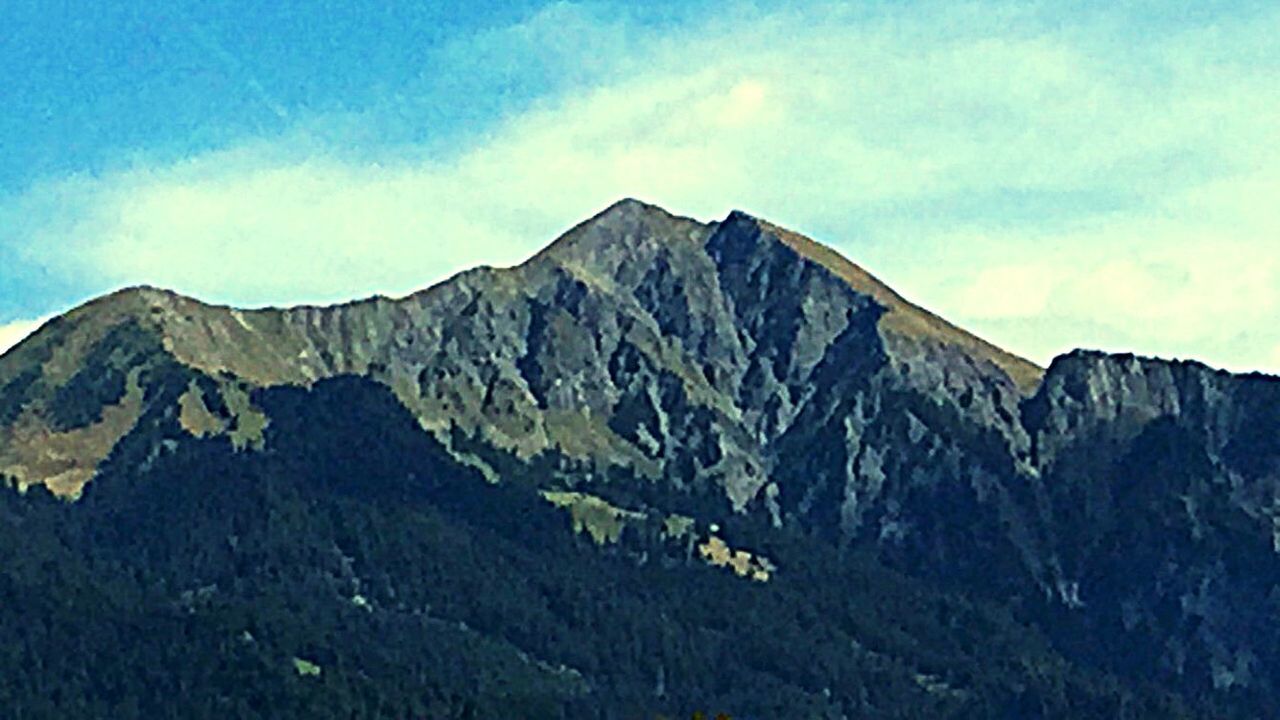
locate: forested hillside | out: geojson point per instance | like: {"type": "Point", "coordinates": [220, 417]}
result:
{"type": "Point", "coordinates": [355, 570]}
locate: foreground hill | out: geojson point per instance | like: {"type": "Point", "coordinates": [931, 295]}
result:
{"type": "Point", "coordinates": [660, 465]}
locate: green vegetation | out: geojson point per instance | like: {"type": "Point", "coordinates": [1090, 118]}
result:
{"type": "Point", "coordinates": [677, 526]}
{"type": "Point", "coordinates": [249, 420]}
{"type": "Point", "coordinates": [602, 521]}
{"type": "Point", "coordinates": [306, 668]}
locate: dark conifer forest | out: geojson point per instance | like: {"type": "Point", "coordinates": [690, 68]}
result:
{"type": "Point", "coordinates": [354, 570]}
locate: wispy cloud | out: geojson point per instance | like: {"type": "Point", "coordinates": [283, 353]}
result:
{"type": "Point", "coordinates": [234, 67]}
{"type": "Point", "coordinates": [1051, 182]}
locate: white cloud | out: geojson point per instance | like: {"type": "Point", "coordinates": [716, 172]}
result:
{"type": "Point", "coordinates": [15, 332]}
{"type": "Point", "coordinates": [1190, 279]}
{"type": "Point", "coordinates": [994, 170]}
{"type": "Point", "coordinates": [1006, 291]}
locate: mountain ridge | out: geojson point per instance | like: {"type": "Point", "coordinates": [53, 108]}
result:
{"type": "Point", "coordinates": [302, 344]}
{"type": "Point", "coordinates": [1027, 373]}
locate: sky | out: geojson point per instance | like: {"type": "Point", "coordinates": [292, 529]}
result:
{"type": "Point", "coordinates": [1049, 175]}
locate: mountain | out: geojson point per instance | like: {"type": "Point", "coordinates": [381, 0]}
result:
{"type": "Point", "coordinates": [736, 319]}
{"type": "Point", "coordinates": [661, 465]}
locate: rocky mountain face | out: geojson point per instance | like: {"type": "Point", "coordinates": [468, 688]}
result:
{"type": "Point", "coordinates": [1162, 483]}
{"type": "Point", "coordinates": [638, 340]}
{"type": "Point", "coordinates": [647, 364]}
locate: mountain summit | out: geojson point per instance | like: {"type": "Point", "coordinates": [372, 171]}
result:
{"type": "Point", "coordinates": [660, 462]}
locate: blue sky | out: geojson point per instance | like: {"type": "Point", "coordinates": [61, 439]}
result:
{"type": "Point", "coordinates": [1051, 175]}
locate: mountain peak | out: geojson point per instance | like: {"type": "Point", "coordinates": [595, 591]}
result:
{"type": "Point", "coordinates": [617, 229]}
{"type": "Point", "coordinates": [739, 216]}
{"type": "Point", "coordinates": [630, 209]}
{"type": "Point", "coordinates": [627, 210]}
{"type": "Point", "coordinates": [630, 204]}
{"type": "Point", "coordinates": [135, 298]}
